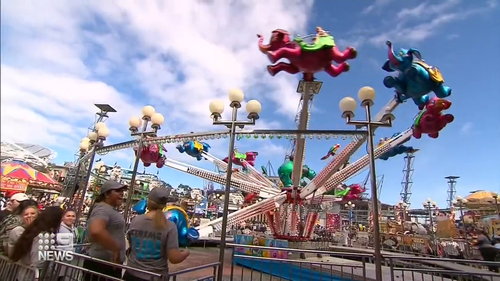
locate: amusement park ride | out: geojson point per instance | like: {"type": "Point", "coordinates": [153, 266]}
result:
{"type": "Point", "coordinates": [291, 208]}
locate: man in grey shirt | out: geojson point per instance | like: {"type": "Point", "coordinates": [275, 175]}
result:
{"type": "Point", "coordinates": [153, 241]}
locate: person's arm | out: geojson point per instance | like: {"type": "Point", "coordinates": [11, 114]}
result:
{"type": "Point", "coordinates": [173, 253]}
{"type": "Point", "coordinates": [98, 233]}
{"type": "Point", "coordinates": [4, 236]}
{"type": "Point", "coordinates": [13, 237]}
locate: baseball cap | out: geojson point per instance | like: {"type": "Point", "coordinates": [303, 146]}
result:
{"type": "Point", "coordinates": [159, 195]}
{"type": "Point", "coordinates": [19, 197]}
{"type": "Point", "coordinates": [111, 185]}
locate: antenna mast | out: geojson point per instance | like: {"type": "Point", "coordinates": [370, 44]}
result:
{"type": "Point", "coordinates": [407, 181]}
{"type": "Point", "coordinates": [452, 181]}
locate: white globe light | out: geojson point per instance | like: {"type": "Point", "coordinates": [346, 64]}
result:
{"type": "Point", "coordinates": [99, 125]}
{"type": "Point", "coordinates": [103, 132]}
{"type": "Point", "coordinates": [494, 194]}
{"type": "Point", "coordinates": [347, 104]}
{"type": "Point", "coordinates": [135, 122]}
{"type": "Point", "coordinates": [84, 146]}
{"type": "Point", "coordinates": [93, 136]}
{"type": "Point", "coordinates": [366, 93]}
{"type": "Point", "coordinates": [85, 140]}
{"type": "Point", "coordinates": [148, 111]}
{"type": "Point", "coordinates": [465, 201]}
{"type": "Point", "coordinates": [459, 198]}
{"type": "Point", "coordinates": [236, 95]}
{"type": "Point", "coordinates": [253, 106]}
{"type": "Point", "coordinates": [455, 202]}
{"type": "Point", "coordinates": [157, 119]}
{"type": "Point", "coordinates": [216, 106]}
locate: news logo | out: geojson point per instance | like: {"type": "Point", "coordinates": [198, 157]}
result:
{"type": "Point", "coordinates": [52, 247]}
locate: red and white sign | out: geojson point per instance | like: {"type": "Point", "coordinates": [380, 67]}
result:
{"type": "Point", "coordinates": [9, 185]}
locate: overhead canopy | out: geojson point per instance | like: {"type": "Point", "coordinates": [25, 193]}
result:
{"type": "Point", "coordinates": [17, 175]}
{"type": "Point", "coordinates": [480, 197]}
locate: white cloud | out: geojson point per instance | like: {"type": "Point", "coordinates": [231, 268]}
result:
{"type": "Point", "coordinates": [466, 128]}
{"type": "Point", "coordinates": [375, 6]}
{"type": "Point", "coordinates": [425, 10]}
{"type": "Point", "coordinates": [175, 55]}
{"type": "Point", "coordinates": [272, 149]}
{"type": "Point", "coordinates": [416, 24]}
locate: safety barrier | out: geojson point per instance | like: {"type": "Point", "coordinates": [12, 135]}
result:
{"type": "Point", "coordinates": [16, 271]}
{"type": "Point", "coordinates": [338, 266]}
{"type": "Point", "coordinates": [74, 271]}
{"type": "Point", "coordinates": [414, 244]}
{"type": "Point", "coordinates": [315, 265]}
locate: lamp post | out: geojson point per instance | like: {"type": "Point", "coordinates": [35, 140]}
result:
{"type": "Point", "coordinates": [95, 140]}
{"type": "Point", "coordinates": [350, 207]}
{"type": "Point", "coordinates": [431, 206]}
{"type": "Point", "coordinates": [83, 148]}
{"type": "Point", "coordinates": [402, 208]}
{"type": "Point", "coordinates": [139, 128]}
{"type": "Point", "coordinates": [461, 203]}
{"type": "Point", "coordinates": [253, 108]}
{"type": "Point", "coordinates": [348, 105]}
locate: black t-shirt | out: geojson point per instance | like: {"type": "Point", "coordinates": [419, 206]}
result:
{"type": "Point", "coordinates": [4, 214]}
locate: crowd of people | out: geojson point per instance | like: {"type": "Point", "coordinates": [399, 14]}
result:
{"type": "Point", "coordinates": [23, 220]}
{"type": "Point", "coordinates": [145, 246]}
{"type": "Point", "coordinates": [152, 239]}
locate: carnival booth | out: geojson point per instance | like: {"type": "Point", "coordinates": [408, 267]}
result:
{"type": "Point", "coordinates": [484, 209]}
{"type": "Point", "coordinates": [17, 176]}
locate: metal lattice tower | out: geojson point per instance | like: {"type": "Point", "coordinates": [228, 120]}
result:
{"type": "Point", "coordinates": [407, 181]}
{"type": "Point", "coordinates": [70, 183]}
{"type": "Point", "coordinates": [452, 181]}
{"type": "Point", "coordinates": [291, 150]}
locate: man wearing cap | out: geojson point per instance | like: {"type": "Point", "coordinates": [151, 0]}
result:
{"type": "Point", "coordinates": [106, 228]}
{"type": "Point", "coordinates": [153, 240]}
{"type": "Point", "coordinates": [13, 220]}
{"type": "Point", "coordinates": [12, 204]}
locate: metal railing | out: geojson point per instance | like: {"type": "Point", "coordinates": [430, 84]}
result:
{"type": "Point", "coordinates": [339, 266]}
{"type": "Point", "coordinates": [416, 245]}
{"type": "Point", "coordinates": [75, 271]}
{"type": "Point", "coordinates": [250, 263]}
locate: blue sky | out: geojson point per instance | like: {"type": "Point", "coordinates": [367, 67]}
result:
{"type": "Point", "coordinates": [179, 56]}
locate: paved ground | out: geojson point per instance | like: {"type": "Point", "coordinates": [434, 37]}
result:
{"type": "Point", "coordinates": [200, 256]}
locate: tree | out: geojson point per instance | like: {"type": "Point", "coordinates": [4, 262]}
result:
{"type": "Point", "coordinates": [185, 190]}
